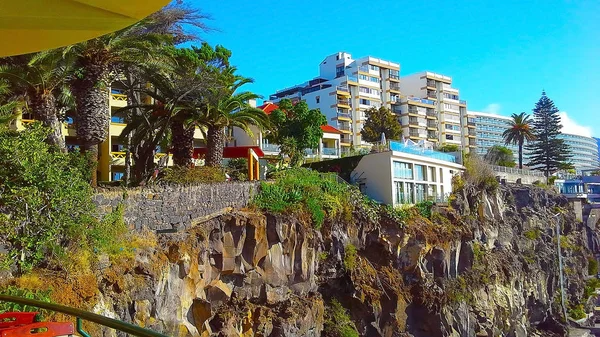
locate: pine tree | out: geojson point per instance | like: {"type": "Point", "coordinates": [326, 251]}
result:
{"type": "Point", "coordinates": [547, 151]}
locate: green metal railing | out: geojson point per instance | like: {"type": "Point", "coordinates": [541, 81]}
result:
{"type": "Point", "coordinates": [88, 316]}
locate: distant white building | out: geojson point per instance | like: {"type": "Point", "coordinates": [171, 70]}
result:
{"type": "Point", "coordinates": [407, 174]}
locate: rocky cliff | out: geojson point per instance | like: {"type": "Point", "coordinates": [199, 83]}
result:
{"type": "Point", "coordinates": [485, 265]}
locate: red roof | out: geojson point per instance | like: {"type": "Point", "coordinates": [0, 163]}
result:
{"type": "Point", "coordinates": [330, 129]}
{"type": "Point", "coordinates": [268, 107]}
{"type": "Point", "coordinates": [232, 151]}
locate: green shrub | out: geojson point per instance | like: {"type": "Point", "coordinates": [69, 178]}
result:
{"type": "Point", "coordinates": [194, 175]}
{"type": "Point", "coordinates": [300, 189]}
{"type": "Point", "coordinates": [533, 234]}
{"type": "Point", "coordinates": [38, 295]}
{"type": "Point", "coordinates": [323, 256]}
{"type": "Point", "coordinates": [398, 214]}
{"type": "Point", "coordinates": [338, 321]}
{"type": "Point", "coordinates": [45, 198]}
{"type": "Point", "coordinates": [478, 251]}
{"type": "Point", "coordinates": [350, 257]}
{"type": "Point", "coordinates": [592, 266]}
{"type": "Point", "coordinates": [109, 234]}
{"type": "Point", "coordinates": [424, 208]}
{"type": "Point", "coordinates": [577, 312]}
{"type": "Point", "coordinates": [237, 169]}
{"type": "Point", "coordinates": [480, 174]}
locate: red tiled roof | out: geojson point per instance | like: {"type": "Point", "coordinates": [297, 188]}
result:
{"type": "Point", "coordinates": [268, 107]}
{"type": "Point", "coordinates": [330, 129]}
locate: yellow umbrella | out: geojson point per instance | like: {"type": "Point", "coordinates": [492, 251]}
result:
{"type": "Point", "coordinates": [28, 26]}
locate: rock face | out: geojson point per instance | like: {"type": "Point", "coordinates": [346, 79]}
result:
{"type": "Point", "coordinates": [485, 266]}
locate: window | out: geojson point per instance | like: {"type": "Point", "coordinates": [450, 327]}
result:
{"type": "Point", "coordinates": [421, 192]}
{"type": "Point", "coordinates": [420, 172]}
{"type": "Point", "coordinates": [363, 77]}
{"type": "Point", "coordinates": [368, 90]}
{"type": "Point", "coordinates": [372, 67]}
{"type": "Point", "coordinates": [339, 70]}
{"type": "Point", "coordinates": [318, 99]}
{"type": "Point", "coordinates": [432, 174]}
{"type": "Point", "coordinates": [365, 101]}
{"type": "Point", "coordinates": [374, 79]}
{"type": "Point", "coordinates": [449, 137]}
{"type": "Point", "coordinates": [403, 170]}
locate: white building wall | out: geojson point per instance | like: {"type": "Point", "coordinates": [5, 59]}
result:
{"type": "Point", "coordinates": [376, 172]}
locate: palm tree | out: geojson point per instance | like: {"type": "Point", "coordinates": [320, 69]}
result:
{"type": "Point", "coordinates": [41, 83]}
{"type": "Point", "coordinates": [229, 109]}
{"type": "Point", "coordinates": [8, 107]}
{"type": "Point", "coordinates": [96, 63]}
{"type": "Point", "coordinates": [518, 132]}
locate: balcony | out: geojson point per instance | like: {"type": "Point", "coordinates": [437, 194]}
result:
{"type": "Point", "coordinates": [343, 90]}
{"type": "Point", "coordinates": [342, 115]}
{"type": "Point", "coordinates": [472, 142]}
{"type": "Point", "coordinates": [431, 113]}
{"type": "Point", "coordinates": [364, 69]}
{"type": "Point", "coordinates": [344, 103]}
{"type": "Point", "coordinates": [471, 132]}
{"type": "Point", "coordinates": [432, 135]}
{"type": "Point", "coordinates": [345, 127]}
{"type": "Point", "coordinates": [270, 148]}
{"type": "Point", "coordinates": [433, 125]}
{"type": "Point", "coordinates": [431, 83]}
{"type": "Point", "coordinates": [396, 110]}
{"type": "Point", "coordinates": [352, 79]}
{"type": "Point", "coordinates": [330, 151]}
{"type": "Point", "coordinates": [394, 75]}
{"type": "Point", "coordinates": [118, 99]}
{"type": "Point", "coordinates": [394, 86]}
{"type": "Point", "coordinates": [431, 94]}
{"type": "Point", "coordinates": [462, 101]}
{"type": "Point", "coordinates": [395, 100]}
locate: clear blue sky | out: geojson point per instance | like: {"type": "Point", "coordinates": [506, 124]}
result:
{"type": "Point", "coordinates": [500, 54]}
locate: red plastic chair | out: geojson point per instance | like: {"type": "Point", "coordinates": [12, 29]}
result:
{"type": "Point", "coordinates": [41, 329]}
{"type": "Point", "coordinates": [15, 319]}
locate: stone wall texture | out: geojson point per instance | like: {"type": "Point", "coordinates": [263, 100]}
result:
{"type": "Point", "coordinates": [170, 207]}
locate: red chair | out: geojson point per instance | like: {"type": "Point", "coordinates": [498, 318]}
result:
{"type": "Point", "coordinates": [15, 319]}
{"type": "Point", "coordinates": [41, 329]}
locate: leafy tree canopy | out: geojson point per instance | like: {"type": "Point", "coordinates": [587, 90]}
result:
{"type": "Point", "coordinates": [295, 128]}
{"type": "Point", "coordinates": [381, 121]}
{"type": "Point", "coordinates": [449, 148]}
{"type": "Point", "coordinates": [501, 156]}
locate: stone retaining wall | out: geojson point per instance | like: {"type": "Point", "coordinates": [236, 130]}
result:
{"type": "Point", "coordinates": [172, 207]}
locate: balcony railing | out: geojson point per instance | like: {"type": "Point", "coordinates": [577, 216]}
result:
{"type": "Point", "coordinates": [353, 79]}
{"type": "Point", "coordinates": [471, 133]}
{"type": "Point", "coordinates": [431, 83]}
{"type": "Point", "coordinates": [394, 76]}
{"type": "Point", "coordinates": [395, 100]}
{"type": "Point", "coordinates": [462, 101]}
{"type": "Point", "coordinates": [344, 115]}
{"type": "Point", "coordinates": [421, 100]}
{"type": "Point", "coordinates": [364, 69]}
{"type": "Point", "coordinates": [118, 97]}
{"type": "Point", "coordinates": [344, 102]}
{"type": "Point", "coordinates": [517, 171]}
{"type": "Point", "coordinates": [342, 88]}
{"type": "Point", "coordinates": [270, 147]}
{"type": "Point", "coordinates": [397, 110]}
{"type": "Point", "coordinates": [432, 125]}
{"type": "Point", "coordinates": [432, 135]}
{"type": "Point", "coordinates": [394, 87]}
{"type": "Point", "coordinates": [431, 94]}
{"type": "Point", "coordinates": [432, 113]}
{"type": "Point", "coordinates": [330, 151]}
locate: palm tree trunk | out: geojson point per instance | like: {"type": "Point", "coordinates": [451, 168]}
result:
{"type": "Point", "coordinates": [93, 112]}
{"type": "Point", "coordinates": [215, 142]}
{"type": "Point", "coordinates": [521, 154]}
{"type": "Point", "coordinates": [91, 153]}
{"type": "Point", "coordinates": [44, 107]}
{"type": "Point", "coordinates": [182, 144]}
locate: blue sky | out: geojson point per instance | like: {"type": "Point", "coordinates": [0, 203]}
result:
{"type": "Point", "coordinates": [500, 54]}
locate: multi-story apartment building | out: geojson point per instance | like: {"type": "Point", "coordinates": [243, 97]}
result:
{"type": "Point", "coordinates": [433, 110]}
{"type": "Point", "coordinates": [489, 129]}
{"type": "Point", "coordinates": [345, 89]}
{"type": "Point", "coordinates": [584, 152]}
{"type": "Point", "coordinates": [111, 153]}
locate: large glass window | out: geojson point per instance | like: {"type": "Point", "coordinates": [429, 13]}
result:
{"type": "Point", "coordinates": [403, 170]}
{"type": "Point", "coordinates": [420, 173]}
{"type": "Point", "coordinates": [432, 174]}
{"type": "Point", "coordinates": [420, 192]}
